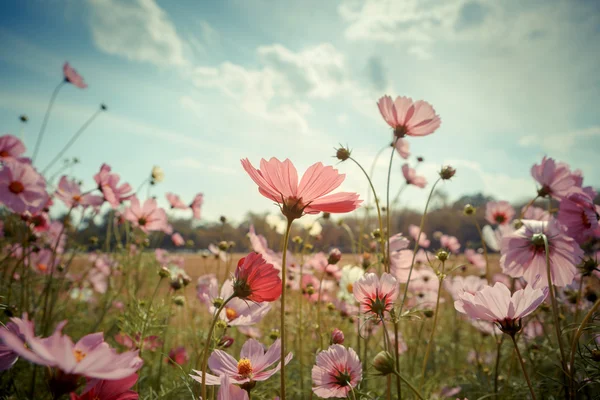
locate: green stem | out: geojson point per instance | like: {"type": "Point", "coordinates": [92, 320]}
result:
{"type": "Point", "coordinates": [574, 345]}
{"type": "Point", "coordinates": [484, 246]}
{"type": "Point", "coordinates": [389, 212]}
{"type": "Point", "coordinates": [148, 310]}
{"type": "Point", "coordinates": [319, 322]}
{"type": "Point", "coordinates": [208, 342]}
{"type": "Point", "coordinates": [416, 248]}
{"type": "Point", "coordinates": [282, 316]}
{"type": "Point", "coordinates": [523, 366]}
{"type": "Point", "coordinates": [498, 354]}
{"type": "Point", "coordinates": [397, 353]}
{"type": "Point", "coordinates": [435, 318]}
{"type": "Point", "coordinates": [415, 391]}
{"type": "Point", "coordinates": [45, 121]}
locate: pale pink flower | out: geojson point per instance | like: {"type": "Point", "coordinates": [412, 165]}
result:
{"type": "Point", "coordinates": [252, 366]}
{"type": "Point", "coordinates": [177, 239]}
{"type": "Point", "coordinates": [43, 261]}
{"type": "Point", "coordinates": [239, 312]}
{"type": "Point", "coordinates": [207, 289]}
{"type": "Point", "coordinates": [70, 193]}
{"type": "Point", "coordinates": [11, 148]}
{"type": "Point", "coordinates": [403, 148]}
{"type": "Point", "coordinates": [7, 356]}
{"type": "Point", "coordinates": [108, 183]}
{"type": "Point", "coordinates": [578, 215]}
{"type": "Point", "coordinates": [320, 263]}
{"type": "Point", "coordinates": [533, 329]}
{"type": "Point", "coordinates": [407, 117]}
{"type": "Point", "coordinates": [400, 262]}
{"type": "Point", "coordinates": [493, 237]}
{"type": "Point", "coordinates": [228, 391]}
{"type": "Point", "coordinates": [151, 343]}
{"type": "Point", "coordinates": [413, 231]}
{"type": "Point", "coordinates": [114, 389]}
{"type": "Point", "coordinates": [337, 372]}
{"type": "Point", "coordinates": [451, 243]}
{"type": "Point", "coordinates": [176, 202]}
{"type": "Point", "coordinates": [460, 284]}
{"type": "Point", "coordinates": [555, 178]}
{"type": "Point", "coordinates": [523, 254]}
{"type": "Point", "coordinates": [90, 356]}
{"type": "Point", "coordinates": [196, 205]}
{"type": "Point", "coordinates": [495, 304]}
{"type": "Point", "coordinates": [424, 280]}
{"type": "Point", "coordinates": [410, 174]}
{"type": "Point", "coordinates": [73, 77]}
{"type": "Point", "coordinates": [148, 217]}
{"type": "Point", "coordinates": [376, 295]}
{"type": "Point", "coordinates": [535, 213]}
{"type": "Point", "coordinates": [499, 212]}
{"type": "Point", "coordinates": [278, 181]}
{"type": "Point", "coordinates": [476, 259]}
{"type": "Point", "coordinates": [22, 188]}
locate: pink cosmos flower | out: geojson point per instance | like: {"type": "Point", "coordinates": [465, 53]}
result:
{"type": "Point", "coordinates": [90, 356]}
{"type": "Point", "coordinates": [278, 181]}
{"type": "Point", "coordinates": [403, 148]}
{"type": "Point", "coordinates": [578, 215]}
{"type": "Point", "coordinates": [499, 212]}
{"type": "Point", "coordinates": [177, 239]}
{"type": "Point", "coordinates": [70, 193]}
{"type": "Point", "coordinates": [11, 148]}
{"type": "Point", "coordinates": [376, 295]}
{"type": "Point", "coordinates": [43, 261]}
{"type": "Point", "coordinates": [337, 372]}
{"type": "Point", "coordinates": [151, 343]}
{"type": "Point", "coordinates": [22, 188]}
{"type": "Point", "coordinates": [176, 202]}
{"type": "Point", "coordinates": [255, 280]}
{"type": "Point", "coordinates": [148, 217]}
{"type": "Point", "coordinates": [108, 184]}
{"type": "Point", "coordinates": [252, 366]}
{"type": "Point", "coordinates": [118, 389]}
{"type": "Point", "coordinates": [320, 263]}
{"type": "Point", "coordinates": [407, 117]}
{"type": "Point", "coordinates": [476, 259]}
{"type": "Point", "coordinates": [536, 213]}
{"type": "Point", "coordinates": [556, 178]}
{"type": "Point", "coordinates": [413, 231]}
{"type": "Point", "coordinates": [178, 355]}
{"type": "Point", "coordinates": [400, 262]}
{"type": "Point", "coordinates": [410, 174]}
{"type": "Point", "coordinates": [451, 243]}
{"type": "Point", "coordinates": [398, 242]}
{"type": "Point", "coordinates": [227, 391]}
{"type": "Point", "coordinates": [196, 205]}
{"type": "Point", "coordinates": [239, 312]}
{"type": "Point", "coordinates": [523, 254]}
{"type": "Point", "coordinates": [459, 284]}
{"type": "Point", "coordinates": [7, 356]}
{"type": "Point", "coordinates": [73, 77]}
{"type": "Point", "coordinates": [495, 304]}
{"type": "Point", "coordinates": [207, 288]}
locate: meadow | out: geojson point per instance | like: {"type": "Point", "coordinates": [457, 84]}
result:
{"type": "Point", "coordinates": [282, 313]}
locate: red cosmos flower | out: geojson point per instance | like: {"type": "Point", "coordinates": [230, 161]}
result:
{"type": "Point", "coordinates": [109, 389]}
{"type": "Point", "coordinates": [73, 77]}
{"type": "Point", "coordinates": [407, 117]}
{"type": "Point", "coordinates": [278, 181]}
{"type": "Point", "coordinates": [255, 280]}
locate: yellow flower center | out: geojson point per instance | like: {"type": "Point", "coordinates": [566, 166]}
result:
{"type": "Point", "coordinates": [79, 355]}
{"type": "Point", "coordinates": [350, 288]}
{"type": "Point", "coordinates": [230, 313]}
{"type": "Point", "coordinates": [244, 367]}
{"type": "Point", "coordinates": [77, 198]}
{"type": "Point", "coordinates": [42, 267]}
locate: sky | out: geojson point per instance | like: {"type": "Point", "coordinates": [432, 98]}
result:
{"type": "Point", "coordinates": [194, 86]}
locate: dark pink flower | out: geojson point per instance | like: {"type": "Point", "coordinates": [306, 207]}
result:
{"type": "Point", "coordinates": [337, 372]}
{"type": "Point", "coordinates": [556, 179]}
{"type": "Point", "coordinates": [178, 355]}
{"type": "Point", "coordinates": [11, 147]}
{"type": "Point", "coordinates": [278, 181]}
{"type": "Point", "coordinates": [337, 336]}
{"type": "Point", "coordinates": [70, 193]}
{"type": "Point", "coordinates": [523, 254]}
{"type": "Point", "coordinates": [117, 389]}
{"type": "Point", "coordinates": [22, 188]}
{"type": "Point", "coordinates": [255, 280]}
{"type": "Point", "coordinates": [578, 214]}
{"type": "Point", "coordinates": [177, 239]}
{"type": "Point", "coordinates": [407, 117]}
{"type": "Point", "coordinates": [148, 217]}
{"type": "Point", "coordinates": [108, 183]}
{"type": "Point", "coordinates": [175, 201]}
{"type": "Point", "coordinates": [196, 205]}
{"type": "Point", "coordinates": [376, 295]}
{"type": "Point", "coordinates": [410, 174]}
{"type": "Point", "coordinates": [499, 212]}
{"type": "Point", "coordinates": [73, 77]}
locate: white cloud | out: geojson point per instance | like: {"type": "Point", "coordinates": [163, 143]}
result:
{"type": "Point", "coordinates": [138, 30]}
{"type": "Point", "coordinates": [560, 143]}
{"type": "Point", "coordinates": [192, 163]}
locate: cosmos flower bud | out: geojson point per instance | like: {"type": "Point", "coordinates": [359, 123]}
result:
{"type": "Point", "coordinates": [469, 210]}
{"type": "Point", "coordinates": [308, 246]}
{"type": "Point", "coordinates": [376, 234]}
{"type": "Point", "coordinates": [164, 272]}
{"type": "Point", "coordinates": [420, 159]}
{"type": "Point", "coordinates": [221, 325]}
{"type": "Point", "coordinates": [223, 219]}
{"type": "Point", "coordinates": [447, 172]}
{"type": "Point", "coordinates": [384, 363]}
{"type": "Point", "coordinates": [342, 153]}
{"type": "Point", "coordinates": [337, 337]}
{"type": "Point", "coordinates": [158, 175]}
{"type": "Point", "coordinates": [297, 240]}
{"type": "Point", "coordinates": [24, 118]}
{"type": "Point", "coordinates": [226, 342]}
{"type": "Point", "coordinates": [428, 313]}
{"type": "Point", "coordinates": [179, 300]}
{"type": "Point", "coordinates": [442, 255]}
{"type": "Point", "coordinates": [330, 306]}
{"type": "Point", "coordinates": [274, 334]}
{"type": "Point", "coordinates": [103, 107]}
{"type": "Point", "coordinates": [223, 245]}
{"type": "Point", "coordinates": [218, 302]}
{"type": "Point", "coordinates": [310, 290]}
{"type": "Point", "coordinates": [326, 215]}
{"type": "Point", "coordinates": [335, 255]}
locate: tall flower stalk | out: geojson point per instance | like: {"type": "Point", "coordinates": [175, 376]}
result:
{"type": "Point", "coordinates": [282, 315]}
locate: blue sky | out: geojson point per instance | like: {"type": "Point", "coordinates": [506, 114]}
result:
{"type": "Point", "coordinates": [193, 86]}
